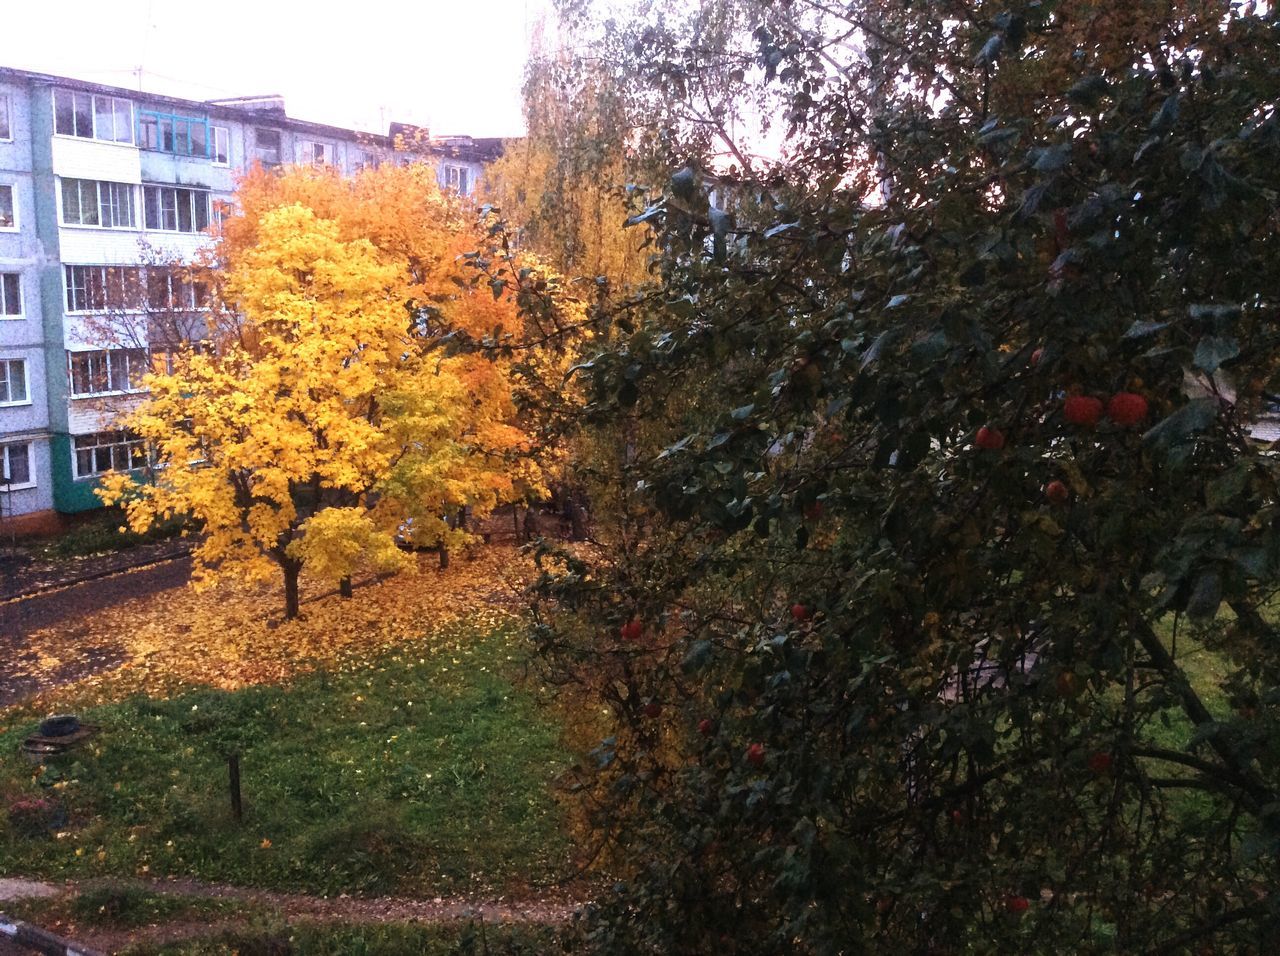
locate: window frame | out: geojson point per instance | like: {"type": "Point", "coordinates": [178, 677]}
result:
{"type": "Point", "coordinates": [6, 458]}
{"type": "Point", "coordinates": [6, 378]}
{"type": "Point", "coordinates": [5, 315]}
{"type": "Point", "coordinates": [457, 178]}
{"type": "Point", "coordinates": [306, 151]}
{"type": "Point", "coordinates": [225, 132]}
{"type": "Point", "coordinates": [127, 188]}
{"type": "Point", "coordinates": [13, 207]}
{"type": "Point", "coordinates": [124, 439]}
{"type": "Point", "coordinates": [257, 146]}
{"type": "Point", "coordinates": [104, 282]}
{"type": "Point", "coordinates": [95, 100]}
{"type": "Point", "coordinates": [175, 122]}
{"type": "Point", "coordinates": [165, 193]}
{"type": "Point", "coordinates": [6, 118]}
{"type": "Point", "coordinates": [103, 363]}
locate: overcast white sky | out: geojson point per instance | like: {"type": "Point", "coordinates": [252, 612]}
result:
{"type": "Point", "coordinates": [453, 65]}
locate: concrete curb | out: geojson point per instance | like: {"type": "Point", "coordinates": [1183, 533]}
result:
{"type": "Point", "coordinates": [42, 941]}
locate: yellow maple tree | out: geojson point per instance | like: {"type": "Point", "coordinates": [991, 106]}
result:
{"type": "Point", "coordinates": [324, 411]}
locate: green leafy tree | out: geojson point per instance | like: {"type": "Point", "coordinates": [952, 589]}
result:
{"type": "Point", "coordinates": [933, 605]}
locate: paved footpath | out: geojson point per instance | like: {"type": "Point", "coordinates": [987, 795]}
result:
{"type": "Point", "coordinates": [20, 617]}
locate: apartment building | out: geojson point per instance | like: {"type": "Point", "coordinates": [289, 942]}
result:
{"type": "Point", "coordinates": [95, 183]}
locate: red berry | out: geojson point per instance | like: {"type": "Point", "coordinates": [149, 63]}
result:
{"type": "Point", "coordinates": [800, 612]}
{"type": "Point", "coordinates": [632, 630]}
{"type": "Point", "coordinates": [1056, 492]}
{"type": "Point", "coordinates": [755, 755]}
{"type": "Point", "coordinates": [1082, 409]}
{"type": "Point", "coordinates": [1017, 904]}
{"type": "Point", "coordinates": [1036, 356]}
{"type": "Point", "coordinates": [653, 710]}
{"type": "Point", "coordinates": [957, 816]}
{"type": "Point", "coordinates": [1100, 762]}
{"type": "Point", "coordinates": [814, 511]}
{"type": "Point", "coordinates": [706, 727]}
{"type": "Point", "coordinates": [989, 439]}
{"type": "Point", "coordinates": [1126, 408]}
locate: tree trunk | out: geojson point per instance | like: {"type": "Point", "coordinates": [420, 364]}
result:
{"type": "Point", "coordinates": [444, 557]}
{"type": "Point", "coordinates": [344, 587]}
{"type": "Point", "coordinates": [291, 571]}
{"type": "Point", "coordinates": [462, 518]}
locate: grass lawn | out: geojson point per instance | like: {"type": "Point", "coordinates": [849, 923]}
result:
{"type": "Point", "coordinates": [426, 769]}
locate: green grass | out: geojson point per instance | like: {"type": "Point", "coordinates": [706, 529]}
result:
{"type": "Point", "coordinates": [385, 939]}
{"type": "Point", "coordinates": [425, 771]}
{"type": "Point", "coordinates": [122, 907]}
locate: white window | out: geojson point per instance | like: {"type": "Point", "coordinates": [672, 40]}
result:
{"type": "Point", "coordinates": [102, 452]}
{"type": "Point", "coordinates": [103, 288]}
{"type": "Point", "coordinates": [8, 211]}
{"type": "Point", "coordinates": [266, 144]}
{"type": "Point", "coordinates": [365, 159]}
{"type": "Point", "coordinates": [16, 469]}
{"type": "Point", "coordinates": [455, 177]}
{"type": "Point", "coordinates": [221, 146]}
{"type": "Point", "coordinates": [88, 202]}
{"type": "Point", "coordinates": [10, 295]}
{"type": "Point", "coordinates": [315, 154]}
{"type": "Point", "coordinates": [92, 117]}
{"type": "Point", "coordinates": [6, 130]}
{"type": "Point", "coordinates": [173, 209]}
{"type": "Point", "coordinates": [13, 382]}
{"type": "Point", "coordinates": [104, 371]}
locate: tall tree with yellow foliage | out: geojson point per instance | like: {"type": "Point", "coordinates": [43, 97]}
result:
{"type": "Point", "coordinates": [323, 410]}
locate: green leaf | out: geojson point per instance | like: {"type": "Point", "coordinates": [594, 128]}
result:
{"type": "Point", "coordinates": [1088, 90]}
{"type": "Point", "coordinates": [1212, 351]}
{"type": "Point", "coordinates": [1141, 329]}
{"type": "Point", "coordinates": [685, 183]}
{"type": "Point", "coordinates": [1196, 415]}
{"type": "Point", "coordinates": [1205, 598]}
{"type": "Point", "coordinates": [698, 656]}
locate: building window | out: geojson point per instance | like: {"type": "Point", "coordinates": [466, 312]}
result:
{"type": "Point", "coordinates": [15, 466]}
{"type": "Point", "coordinates": [315, 154]}
{"type": "Point", "coordinates": [88, 202]}
{"type": "Point", "coordinates": [171, 133]}
{"type": "Point", "coordinates": [6, 130]}
{"type": "Point", "coordinates": [92, 117]}
{"type": "Point", "coordinates": [364, 159]}
{"type": "Point", "coordinates": [455, 177]}
{"type": "Point", "coordinates": [173, 209]}
{"type": "Point", "coordinates": [221, 146]}
{"type": "Point", "coordinates": [102, 452]}
{"type": "Point", "coordinates": [169, 291]}
{"type": "Point", "coordinates": [8, 213]}
{"type": "Point", "coordinates": [104, 371]}
{"type": "Point", "coordinates": [10, 295]}
{"type": "Point", "coordinates": [13, 382]}
{"type": "Point", "coordinates": [103, 288]}
{"type": "Point", "coordinates": [266, 143]}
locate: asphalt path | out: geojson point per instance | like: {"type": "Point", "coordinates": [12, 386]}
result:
{"type": "Point", "coordinates": [21, 617]}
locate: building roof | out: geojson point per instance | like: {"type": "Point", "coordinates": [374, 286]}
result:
{"type": "Point", "coordinates": [265, 109]}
